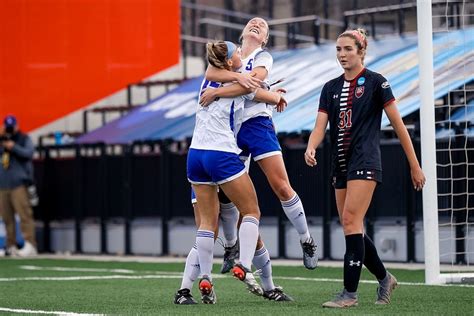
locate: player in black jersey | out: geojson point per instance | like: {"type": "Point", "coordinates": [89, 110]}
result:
{"type": "Point", "coordinates": [353, 105]}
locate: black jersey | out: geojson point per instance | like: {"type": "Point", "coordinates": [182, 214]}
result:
{"type": "Point", "coordinates": [355, 110]}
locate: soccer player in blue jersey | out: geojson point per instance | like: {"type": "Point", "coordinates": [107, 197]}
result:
{"type": "Point", "coordinates": [213, 161]}
{"type": "Point", "coordinates": [353, 104]}
{"type": "Point", "coordinates": [257, 136]}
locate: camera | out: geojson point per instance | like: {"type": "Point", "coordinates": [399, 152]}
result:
{"type": "Point", "coordinates": [5, 137]}
{"type": "Point", "coordinates": [9, 130]}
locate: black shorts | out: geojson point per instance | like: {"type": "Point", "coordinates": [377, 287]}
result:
{"type": "Point", "coordinates": [339, 181]}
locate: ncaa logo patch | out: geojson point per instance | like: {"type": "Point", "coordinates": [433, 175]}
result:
{"type": "Point", "coordinates": [361, 81]}
{"type": "Point", "coordinates": [385, 85]}
{"type": "Point", "coordinates": [359, 91]}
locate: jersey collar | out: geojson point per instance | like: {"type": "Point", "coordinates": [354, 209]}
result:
{"type": "Point", "coordinates": [356, 77]}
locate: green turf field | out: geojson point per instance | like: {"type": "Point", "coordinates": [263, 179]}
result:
{"type": "Point", "coordinates": [79, 286]}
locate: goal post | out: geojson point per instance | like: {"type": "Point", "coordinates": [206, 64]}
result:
{"type": "Point", "coordinates": [447, 159]}
{"type": "Point", "coordinates": [428, 143]}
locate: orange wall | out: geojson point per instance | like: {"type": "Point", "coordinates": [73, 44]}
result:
{"type": "Point", "coordinates": [57, 56]}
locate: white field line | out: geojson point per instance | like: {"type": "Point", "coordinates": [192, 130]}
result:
{"type": "Point", "coordinates": [76, 269]}
{"type": "Point", "coordinates": [155, 259]}
{"type": "Point", "coordinates": [30, 311]}
{"type": "Point", "coordinates": [275, 262]}
{"type": "Point", "coordinates": [176, 275]}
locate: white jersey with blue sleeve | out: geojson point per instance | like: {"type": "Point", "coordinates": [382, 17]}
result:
{"type": "Point", "coordinates": [217, 124]}
{"type": "Point", "coordinates": [258, 58]}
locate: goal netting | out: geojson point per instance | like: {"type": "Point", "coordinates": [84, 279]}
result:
{"type": "Point", "coordinates": [446, 58]}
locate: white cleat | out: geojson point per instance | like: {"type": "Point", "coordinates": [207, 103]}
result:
{"type": "Point", "coordinates": [28, 250]}
{"type": "Point", "coordinates": [246, 276]}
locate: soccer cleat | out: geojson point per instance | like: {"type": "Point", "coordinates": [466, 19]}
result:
{"type": "Point", "coordinates": [12, 251]}
{"type": "Point", "coordinates": [277, 295]}
{"type": "Point", "coordinates": [28, 250]}
{"type": "Point", "coordinates": [230, 254]}
{"type": "Point", "coordinates": [246, 276]}
{"type": "Point", "coordinates": [184, 297]}
{"type": "Point", "coordinates": [208, 296]}
{"type": "Point", "coordinates": [310, 256]}
{"type": "Point", "coordinates": [342, 300]}
{"type": "Point", "coordinates": [384, 291]}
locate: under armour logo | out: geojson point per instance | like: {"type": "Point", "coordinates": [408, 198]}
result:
{"type": "Point", "coordinates": [300, 214]}
{"type": "Point", "coordinates": [360, 172]}
{"type": "Point", "coordinates": [352, 263]}
{"type": "Point", "coordinates": [335, 96]}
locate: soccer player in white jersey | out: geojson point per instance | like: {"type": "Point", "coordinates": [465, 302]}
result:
{"type": "Point", "coordinates": [257, 136]}
{"type": "Point", "coordinates": [213, 161]}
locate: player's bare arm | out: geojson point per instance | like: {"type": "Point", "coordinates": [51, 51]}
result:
{"type": "Point", "coordinates": [272, 97]}
{"type": "Point", "coordinates": [230, 91]}
{"type": "Point", "coordinates": [223, 75]}
{"type": "Point", "coordinates": [316, 137]}
{"type": "Point", "coordinates": [417, 176]}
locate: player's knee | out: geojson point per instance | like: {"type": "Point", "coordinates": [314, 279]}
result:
{"type": "Point", "coordinates": [252, 212]}
{"type": "Point", "coordinates": [348, 219]}
{"type": "Point", "coordinates": [284, 191]}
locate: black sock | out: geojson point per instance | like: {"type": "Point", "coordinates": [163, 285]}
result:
{"type": "Point", "coordinates": [372, 260]}
{"type": "Point", "coordinates": [353, 260]}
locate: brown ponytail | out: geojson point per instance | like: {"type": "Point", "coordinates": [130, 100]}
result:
{"type": "Point", "coordinates": [217, 54]}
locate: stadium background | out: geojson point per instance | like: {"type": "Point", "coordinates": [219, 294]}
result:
{"type": "Point", "coordinates": [72, 67]}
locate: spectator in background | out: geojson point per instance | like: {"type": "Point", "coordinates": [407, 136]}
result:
{"type": "Point", "coordinates": [16, 151]}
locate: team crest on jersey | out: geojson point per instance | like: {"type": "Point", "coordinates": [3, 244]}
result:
{"type": "Point", "coordinates": [359, 91]}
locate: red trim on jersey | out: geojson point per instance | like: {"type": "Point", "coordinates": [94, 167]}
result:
{"type": "Point", "coordinates": [388, 102]}
{"type": "Point", "coordinates": [322, 110]}
{"type": "Point", "coordinates": [356, 77]}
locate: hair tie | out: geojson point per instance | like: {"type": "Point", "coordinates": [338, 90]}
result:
{"type": "Point", "coordinates": [230, 49]}
{"type": "Point", "coordinates": [359, 37]}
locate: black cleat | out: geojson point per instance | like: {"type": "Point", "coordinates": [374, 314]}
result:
{"type": "Point", "coordinates": [230, 254]}
{"type": "Point", "coordinates": [277, 295]}
{"type": "Point", "coordinates": [184, 297]}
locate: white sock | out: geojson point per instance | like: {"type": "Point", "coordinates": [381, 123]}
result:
{"type": "Point", "coordinates": [295, 212]}
{"type": "Point", "coordinates": [261, 261]}
{"type": "Point", "coordinates": [191, 269]}
{"type": "Point", "coordinates": [248, 235]}
{"type": "Point", "coordinates": [229, 218]}
{"type": "Point", "coordinates": [205, 248]}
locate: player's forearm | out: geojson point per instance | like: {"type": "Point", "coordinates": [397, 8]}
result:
{"type": "Point", "coordinates": [407, 145]}
{"type": "Point", "coordinates": [315, 139]}
{"type": "Point", "coordinates": [405, 141]}
{"type": "Point", "coordinates": [402, 133]}
{"type": "Point", "coordinates": [220, 75]}
{"type": "Point", "coordinates": [231, 91]}
{"type": "Point", "coordinates": [267, 96]}
{"type": "Point", "coordinates": [319, 131]}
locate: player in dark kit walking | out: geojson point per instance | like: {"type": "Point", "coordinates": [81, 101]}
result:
{"type": "Point", "coordinates": [353, 104]}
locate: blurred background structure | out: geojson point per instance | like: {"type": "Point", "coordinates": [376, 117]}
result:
{"type": "Point", "coordinates": [108, 92]}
